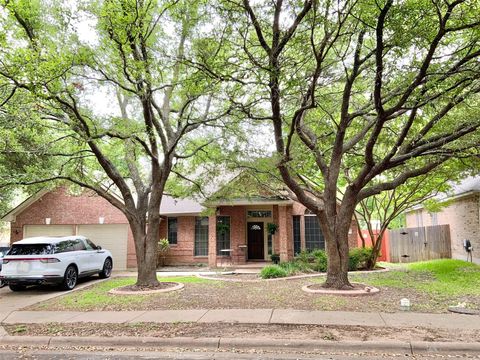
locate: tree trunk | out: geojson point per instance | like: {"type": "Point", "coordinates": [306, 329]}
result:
{"type": "Point", "coordinates": [335, 223]}
{"type": "Point", "coordinates": [146, 253]}
{"type": "Point", "coordinates": [337, 254]}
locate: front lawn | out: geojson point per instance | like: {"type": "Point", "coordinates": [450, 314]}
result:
{"type": "Point", "coordinates": [431, 286]}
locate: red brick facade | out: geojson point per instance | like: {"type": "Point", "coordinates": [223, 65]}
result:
{"type": "Point", "coordinates": [66, 209]}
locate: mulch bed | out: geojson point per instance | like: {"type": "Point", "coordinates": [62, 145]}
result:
{"type": "Point", "coordinates": [136, 288]}
{"type": "Point", "coordinates": [300, 332]}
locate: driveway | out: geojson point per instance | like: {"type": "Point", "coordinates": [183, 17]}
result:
{"type": "Point", "coordinates": [12, 301]}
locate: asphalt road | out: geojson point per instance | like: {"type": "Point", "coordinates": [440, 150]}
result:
{"type": "Point", "coordinates": [111, 355]}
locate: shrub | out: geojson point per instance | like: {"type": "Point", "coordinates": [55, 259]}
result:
{"type": "Point", "coordinates": [320, 263]}
{"type": "Point", "coordinates": [275, 258]}
{"type": "Point", "coordinates": [305, 256]}
{"type": "Point", "coordinates": [273, 271]}
{"type": "Point", "coordinates": [358, 257]}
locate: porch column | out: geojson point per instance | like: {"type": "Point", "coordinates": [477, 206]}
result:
{"type": "Point", "coordinates": [283, 232]}
{"type": "Point", "coordinates": [303, 244]}
{"type": "Point", "coordinates": [212, 241]}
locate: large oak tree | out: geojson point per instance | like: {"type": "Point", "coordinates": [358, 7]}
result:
{"type": "Point", "coordinates": [60, 59]}
{"type": "Point", "coordinates": [362, 96]}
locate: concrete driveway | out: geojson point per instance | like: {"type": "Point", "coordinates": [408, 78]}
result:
{"type": "Point", "coordinates": [13, 301]}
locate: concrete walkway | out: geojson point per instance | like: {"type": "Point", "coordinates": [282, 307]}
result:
{"type": "Point", "coordinates": [251, 316]}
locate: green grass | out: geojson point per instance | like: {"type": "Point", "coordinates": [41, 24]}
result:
{"type": "Point", "coordinates": [97, 296]}
{"type": "Point", "coordinates": [442, 277]}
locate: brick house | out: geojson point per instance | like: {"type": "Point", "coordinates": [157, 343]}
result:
{"type": "Point", "coordinates": [223, 231]}
{"type": "Point", "coordinates": [461, 212]}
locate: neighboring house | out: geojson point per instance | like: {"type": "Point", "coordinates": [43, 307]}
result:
{"type": "Point", "coordinates": [236, 229]}
{"type": "Point", "coordinates": [461, 212]}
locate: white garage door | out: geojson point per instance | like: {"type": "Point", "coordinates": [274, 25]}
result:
{"type": "Point", "coordinates": [48, 230]}
{"type": "Point", "coordinates": [112, 237]}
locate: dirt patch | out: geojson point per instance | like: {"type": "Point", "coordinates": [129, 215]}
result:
{"type": "Point", "coordinates": [137, 288]}
{"type": "Point", "coordinates": [355, 290]}
{"type": "Point", "coordinates": [260, 295]}
{"type": "Point", "coordinates": [227, 330]}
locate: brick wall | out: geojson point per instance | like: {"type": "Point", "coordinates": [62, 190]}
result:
{"type": "Point", "coordinates": [183, 251]}
{"type": "Point", "coordinates": [463, 217]}
{"type": "Point", "coordinates": [64, 208]}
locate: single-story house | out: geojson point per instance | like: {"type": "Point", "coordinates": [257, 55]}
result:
{"type": "Point", "coordinates": [234, 230]}
{"type": "Point", "coordinates": [461, 212]}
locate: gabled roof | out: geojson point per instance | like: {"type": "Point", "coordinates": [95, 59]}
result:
{"type": "Point", "coordinates": [468, 186]}
{"type": "Point", "coordinates": [10, 216]}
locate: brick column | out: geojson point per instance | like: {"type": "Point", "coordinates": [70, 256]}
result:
{"type": "Point", "coordinates": [282, 232]}
{"type": "Point", "coordinates": [303, 244]}
{"type": "Point", "coordinates": [212, 241]}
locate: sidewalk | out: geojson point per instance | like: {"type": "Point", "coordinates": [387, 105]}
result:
{"type": "Point", "coordinates": [251, 316]}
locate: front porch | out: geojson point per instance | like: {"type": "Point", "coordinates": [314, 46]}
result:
{"type": "Point", "coordinates": [240, 233]}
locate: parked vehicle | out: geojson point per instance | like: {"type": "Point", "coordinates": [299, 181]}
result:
{"type": "Point", "coordinates": [3, 252]}
{"type": "Point", "coordinates": [54, 260]}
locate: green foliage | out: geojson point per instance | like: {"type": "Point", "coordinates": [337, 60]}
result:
{"type": "Point", "coordinates": [358, 257]}
{"type": "Point", "coordinates": [275, 258]}
{"type": "Point", "coordinates": [320, 263]}
{"type": "Point", "coordinates": [272, 228]}
{"type": "Point", "coordinates": [273, 271]}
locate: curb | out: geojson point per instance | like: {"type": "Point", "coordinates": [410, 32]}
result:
{"type": "Point", "coordinates": [398, 347]}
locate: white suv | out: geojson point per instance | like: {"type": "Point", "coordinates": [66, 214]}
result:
{"type": "Point", "coordinates": [54, 260]}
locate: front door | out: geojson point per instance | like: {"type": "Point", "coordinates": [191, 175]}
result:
{"type": "Point", "coordinates": [255, 241]}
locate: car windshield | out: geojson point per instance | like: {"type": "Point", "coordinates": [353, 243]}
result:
{"type": "Point", "coordinates": [31, 249]}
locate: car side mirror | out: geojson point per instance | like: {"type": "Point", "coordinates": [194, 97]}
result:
{"type": "Point", "coordinates": [99, 247]}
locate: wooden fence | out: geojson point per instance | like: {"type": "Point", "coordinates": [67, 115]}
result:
{"type": "Point", "coordinates": [421, 243]}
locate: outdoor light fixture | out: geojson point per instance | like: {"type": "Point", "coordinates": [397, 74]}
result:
{"type": "Point", "coordinates": [48, 221]}
{"type": "Point", "coordinates": [101, 220]}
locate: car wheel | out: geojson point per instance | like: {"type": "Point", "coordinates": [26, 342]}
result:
{"type": "Point", "coordinates": [70, 278]}
{"type": "Point", "coordinates": [16, 287]}
{"type": "Point", "coordinates": [107, 269]}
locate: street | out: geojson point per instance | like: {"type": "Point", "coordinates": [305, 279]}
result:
{"type": "Point", "coordinates": [35, 354]}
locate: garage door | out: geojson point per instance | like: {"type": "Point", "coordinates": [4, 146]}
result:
{"type": "Point", "coordinates": [112, 237]}
{"type": "Point", "coordinates": [48, 230]}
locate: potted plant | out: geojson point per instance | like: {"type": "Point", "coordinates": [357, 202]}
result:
{"type": "Point", "coordinates": [275, 258]}
{"type": "Point", "coordinates": [272, 228]}
{"type": "Point", "coordinates": [162, 246]}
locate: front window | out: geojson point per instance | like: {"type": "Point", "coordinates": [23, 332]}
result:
{"type": "Point", "coordinates": [296, 234]}
{"type": "Point", "coordinates": [313, 235]}
{"type": "Point", "coordinates": [201, 236]}
{"type": "Point", "coordinates": [223, 235]}
{"type": "Point", "coordinates": [90, 245]}
{"type": "Point", "coordinates": [172, 230]}
{"type": "Point", "coordinates": [259, 214]}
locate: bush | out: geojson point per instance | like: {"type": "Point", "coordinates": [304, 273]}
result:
{"type": "Point", "coordinates": [305, 256]}
{"type": "Point", "coordinates": [320, 263]}
{"type": "Point", "coordinates": [275, 258]}
{"type": "Point", "coordinates": [358, 257]}
{"type": "Point", "coordinates": [273, 271]}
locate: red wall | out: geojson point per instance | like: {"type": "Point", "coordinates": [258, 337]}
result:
{"type": "Point", "coordinates": [385, 250]}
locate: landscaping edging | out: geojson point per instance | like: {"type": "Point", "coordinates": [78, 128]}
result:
{"type": "Point", "coordinates": [295, 277]}
{"type": "Point", "coordinates": [118, 291]}
{"type": "Point", "coordinates": [366, 290]}
{"type": "Point", "coordinates": [398, 347]}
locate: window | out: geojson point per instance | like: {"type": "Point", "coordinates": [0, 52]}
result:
{"type": "Point", "coordinates": [419, 218]}
{"type": "Point", "coordinates": [172, 230]}
{"type": "Point", "coordinates": [65, 246]}
{"type": "Point", "coordinates": [259, 213]}
{"type": "Point", "coordinates": [223, 234]}
{"type": "Point", "coordinates": [296, 234]}
{"type": "Point", "coordinates": [78, 245]}
{"type": "Point", "coordinates": [313, 235]}
{"type": "Point", "coordinates": [90, 245]}
{"type": "Point", "coordinates": [201, 236]}
{"type": "Point", "coordinates": [31, 249]}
